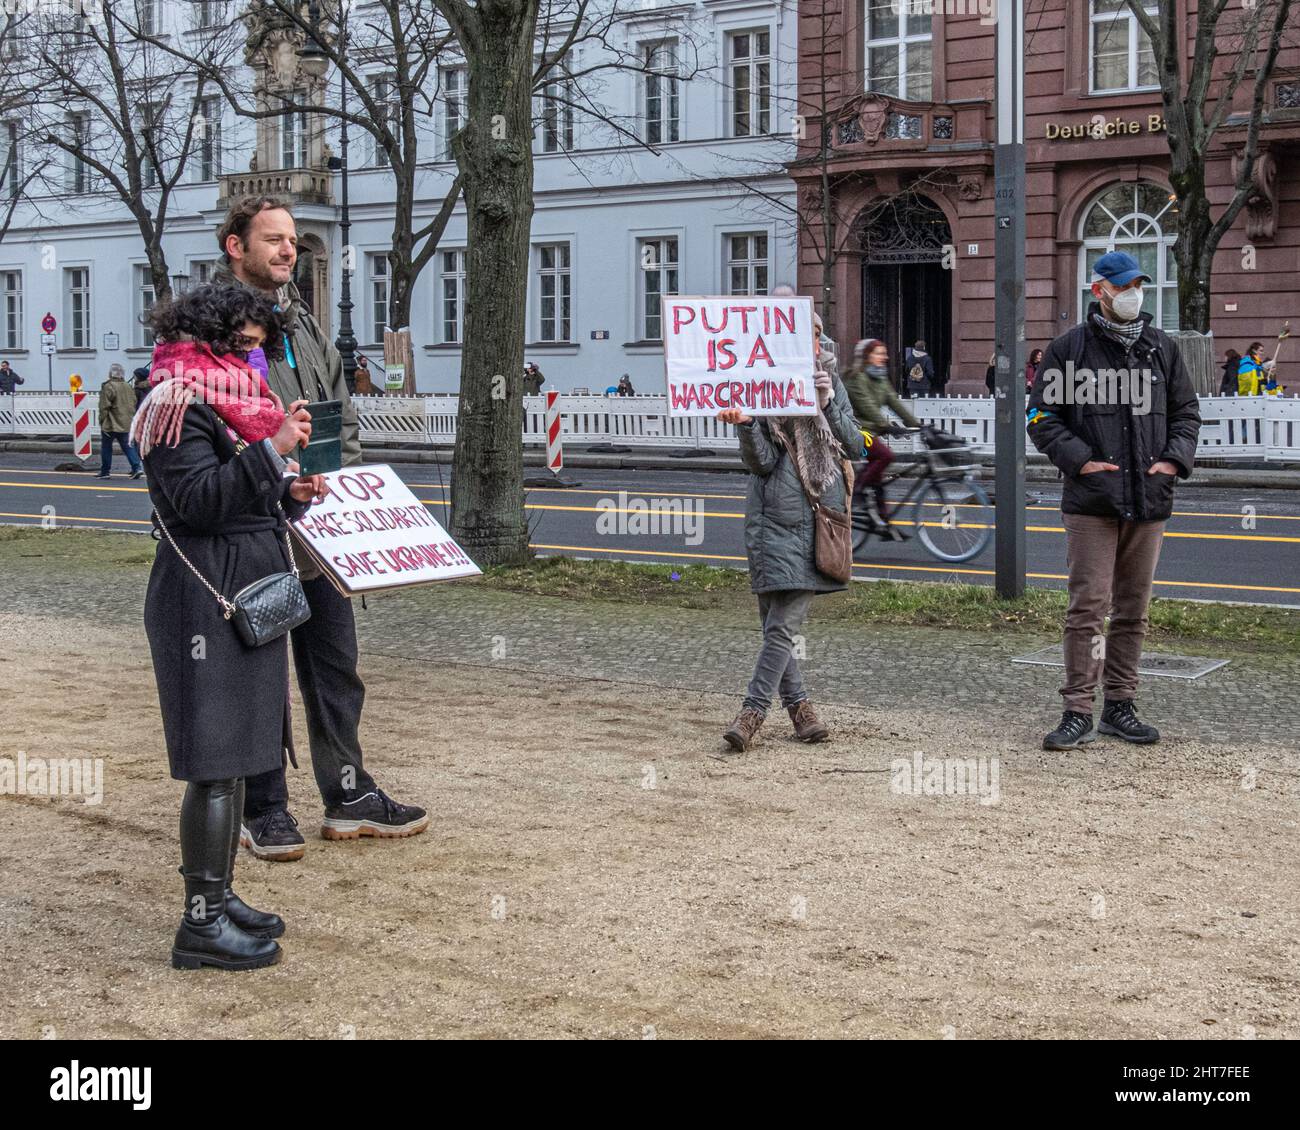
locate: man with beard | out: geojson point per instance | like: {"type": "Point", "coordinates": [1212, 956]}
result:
{"type": "Point", "coordinates": [259, 245]}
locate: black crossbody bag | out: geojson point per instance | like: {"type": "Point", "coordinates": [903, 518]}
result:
{"type": "Point", "coordinates": [264, 610]}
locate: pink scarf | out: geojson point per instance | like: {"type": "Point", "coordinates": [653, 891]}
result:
{"type": "Point", "coordinates": [185, 372]}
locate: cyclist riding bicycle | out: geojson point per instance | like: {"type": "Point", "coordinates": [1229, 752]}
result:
{"type": "Point", "coordinates": [870, 393]}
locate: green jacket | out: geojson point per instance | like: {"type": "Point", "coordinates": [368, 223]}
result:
{"type": "Point", "coordinates": [116, 405]}
{"type": "Point", "coordinates": [319, 371]}
{"type": "Point", "coordinates": [317, 375]}
{"type": "Point", "coordinates": [870, 396]}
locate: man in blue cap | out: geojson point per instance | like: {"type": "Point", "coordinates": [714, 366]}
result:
{"type": "Point", "coordinates": [1113, 408]}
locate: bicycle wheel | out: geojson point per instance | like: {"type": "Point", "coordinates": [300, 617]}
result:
{"type": "Point", "coordinates": [953, 519]}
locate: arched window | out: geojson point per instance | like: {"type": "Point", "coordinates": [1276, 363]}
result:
{"type": "Point", "coordinates": [1142, 219]}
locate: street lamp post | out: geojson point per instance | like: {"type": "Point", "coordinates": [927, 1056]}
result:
{"type": "Point", "coordinates": [316, 62]}
{"type": "Point", "coordinates": [1009, 301]}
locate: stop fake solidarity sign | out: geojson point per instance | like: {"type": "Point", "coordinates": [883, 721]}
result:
{"type": "Point", "coordinates": [370, 532]}
{"type": "Point", "coordinates": [748, 352]}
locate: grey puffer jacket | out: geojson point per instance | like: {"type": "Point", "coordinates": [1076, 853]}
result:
{"type": "Point", "coordinates": [778, 515]}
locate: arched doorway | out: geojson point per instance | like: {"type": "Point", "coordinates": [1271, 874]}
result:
{"type": "Point", "coordinates": [906, 288]}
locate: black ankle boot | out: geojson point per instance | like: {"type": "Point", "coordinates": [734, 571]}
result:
{"type": "Point", "coordinates": [259, 923]}
{"type": "Point", "coordinates": [206, 935]}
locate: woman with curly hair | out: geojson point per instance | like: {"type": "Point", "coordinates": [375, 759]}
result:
{"type": "Point", "coordinates": [214, 440]}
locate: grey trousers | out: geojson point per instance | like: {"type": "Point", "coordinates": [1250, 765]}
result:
{"type": "Point", "coordinates": [782, 615]}
{"type": "Point", "coordinates": [1111, 565]}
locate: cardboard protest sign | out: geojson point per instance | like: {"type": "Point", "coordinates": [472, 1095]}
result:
{"type": "Point", "coordinates": [749, 352]}
{"type": "Point", "coordinates": [370, 532]}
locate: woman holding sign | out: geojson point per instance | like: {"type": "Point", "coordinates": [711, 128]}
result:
{"type": "Point", "coordinates": [797, 468]}
{"type": "Point", "coordinates": [214, 438]}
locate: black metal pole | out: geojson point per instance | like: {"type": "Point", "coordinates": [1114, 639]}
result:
{"type": "Point", "coordinates": [346, 343]}
{"type": "Point", "coordinates": [1009, 302]}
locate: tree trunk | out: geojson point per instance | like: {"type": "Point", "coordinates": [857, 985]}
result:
{"type": "Point", "coordinates": [494, 153]}
{"type": "Point", "coordinates": [1192, 250]}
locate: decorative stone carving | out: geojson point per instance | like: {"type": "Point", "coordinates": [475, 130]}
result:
{"type": "Point", "coordinates": [1261, 203]}
{"type": "Point", "coordinates": [1288, 95]}
{"type": "Point", "coordinates": [873, 113]}
{"type": "Point", "coordinates": [970, 187]}
{"type": "Point", "coordinates": [942, 128]}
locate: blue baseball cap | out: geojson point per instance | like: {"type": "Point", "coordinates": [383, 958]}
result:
{"type": "Point", "coordinates": [1118, 268]}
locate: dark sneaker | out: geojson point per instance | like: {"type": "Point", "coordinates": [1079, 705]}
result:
{"type": "Point", "coordinates": [274, 836]}
{"type": "Point", "coordinates": [1119, 717]}
{"type": "Point", "coordinates": [740, 734]}
{"type": "Point", "coordinates": [137, 474]}
{"type": "Point", "coordinates": [1075, 730]}
{"type": "Point", "coordinates": [99, 476]}
{"type": "Point", "coordinates": [373, 814]}
{"type": "Point", "coordinates": [807, 726]}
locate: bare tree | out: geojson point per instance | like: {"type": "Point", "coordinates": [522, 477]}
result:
{"type": "Point", "coordinates": [125, 117]}
{"type": "Point", "coordinates": [1194, 117]}
{"type": "Point", "coordinates": [392, 106]}
{"type": "Point", "coordinates": [15, 104]}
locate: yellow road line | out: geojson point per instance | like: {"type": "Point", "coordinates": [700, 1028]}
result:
{"type": "Point", "coordinates": [74, 518]}
{"type": "Point", "coordinates": [948, 569]}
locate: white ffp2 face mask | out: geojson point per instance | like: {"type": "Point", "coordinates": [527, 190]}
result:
{"type": "Point", "coordinates": [1127, 304]}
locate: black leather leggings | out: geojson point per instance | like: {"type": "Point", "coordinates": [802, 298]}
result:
{"type": "Point", "coordinates": [210, 819]}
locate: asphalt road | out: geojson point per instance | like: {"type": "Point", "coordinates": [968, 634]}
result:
{"type": "Point", "coordinates": [1222, 544]}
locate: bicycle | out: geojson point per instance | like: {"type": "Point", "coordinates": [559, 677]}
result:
{"type": "Point", "coordinates": [951, 514]}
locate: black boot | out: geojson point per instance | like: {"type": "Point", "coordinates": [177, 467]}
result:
{"type": "Point", "coordinates": [256, 922]}
{"type": "Point", "coordinates": [206, 935]}
{"type": "Point", "coordinates": [1074, 730]}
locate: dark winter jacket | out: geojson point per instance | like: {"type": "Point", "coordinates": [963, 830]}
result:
{"type": "Point", "coordinates": [1074, 433]}
{"type": "Point", "coordinates": [913, 361]}
{"type": "Point", "coordinates": [778, 515]}
{"type": "Point", "coordinates": [8, 381]}
{"type": "Point", "coordinates": [224, 705]}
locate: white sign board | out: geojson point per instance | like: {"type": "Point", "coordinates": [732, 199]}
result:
{"type": "Point", "coordinates": [370, 532]}
{"type": "Point", "coordinates": [749, 352]}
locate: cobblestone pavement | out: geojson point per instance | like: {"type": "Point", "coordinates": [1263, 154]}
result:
{"type": "Point", "coordinates": [955, 674]}
{"type": "Point", "coordinates": [909, 668]}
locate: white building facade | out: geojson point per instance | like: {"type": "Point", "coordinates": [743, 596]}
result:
{"type": "Point", "coordinates": [698, 203]}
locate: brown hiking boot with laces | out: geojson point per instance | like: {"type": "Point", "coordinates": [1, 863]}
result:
{"type": "Point", "coordinates": [740, 734]}
{"type": "Point", "coordinates": [807, 726]}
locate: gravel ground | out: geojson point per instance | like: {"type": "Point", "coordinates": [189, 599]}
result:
{"type": "Point", "coordinates": [597, 867]}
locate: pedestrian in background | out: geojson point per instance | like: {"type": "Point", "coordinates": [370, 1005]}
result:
{"type": "Point", "coordinates": [140, 384]}
{"type": "Point", "coordinates": [1120, 461]}
{"type": "Point", "coordinates": [8, 379]}
{"type": "Point", "coordinates": [1251, 376]}
{"type": "Point", "coordinates": [794, 463]}
{"type": "Point", "coordinates": [1031, 369]}
{"type": "Point", "coordinates": [117, 405]}
{"type": "Point", "coordinates": [533, 380]}
{"type": "Point", "coordinates": [362, 383]}
{"type": "Point", "coordinates": [1231, 365]}
{"type": "Point", "coordinates": [918, 368]}
{"type": "Point", "coordinates": [991, 374]}
{"type": "Point", "coordinates": [625, 386]}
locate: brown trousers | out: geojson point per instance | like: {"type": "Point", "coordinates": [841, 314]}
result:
{"type": "Point", "coordinates": [1111, 564]}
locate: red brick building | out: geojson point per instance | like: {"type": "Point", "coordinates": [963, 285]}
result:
{"type": "Point", "coordinates": [907, 102]}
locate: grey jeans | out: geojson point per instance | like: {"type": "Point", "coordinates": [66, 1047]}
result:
{"type": "Point", "coordinates": [782, 615]}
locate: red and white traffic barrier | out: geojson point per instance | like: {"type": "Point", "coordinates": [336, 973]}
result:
{"type": "Point", "coordinates": [81, 425]}
{"type": "Point", "coordinates": [554, 448]}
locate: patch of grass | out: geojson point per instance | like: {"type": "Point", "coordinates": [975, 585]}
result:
{"type": "Point", "coordinates": [952, 606]}
{"type": "Point", "coordinates": [64, 548]}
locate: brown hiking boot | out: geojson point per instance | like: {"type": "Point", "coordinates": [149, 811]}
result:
{"type": "Point", "coordinates": [740, 734]}
{"type": "Point", "coordinates": [807, 726]}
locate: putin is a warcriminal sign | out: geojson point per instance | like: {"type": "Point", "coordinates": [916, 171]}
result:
{"type": "Point", "coordinates": [749, 352]}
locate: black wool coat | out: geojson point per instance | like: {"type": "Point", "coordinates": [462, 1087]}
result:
{"type": "Point", "coordinates": [224, 705]}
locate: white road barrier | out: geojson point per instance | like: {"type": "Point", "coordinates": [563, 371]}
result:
{"type": "Point", "coordinates": [1233, 427]}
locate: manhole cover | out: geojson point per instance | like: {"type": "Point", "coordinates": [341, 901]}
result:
{"type": "Point", "coordinates": [1171, 666]}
